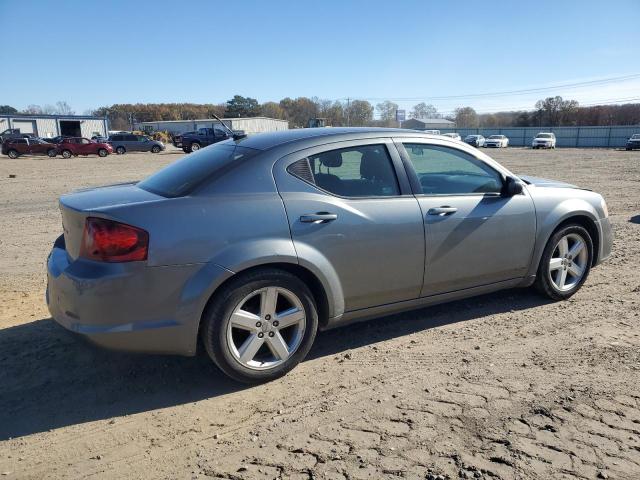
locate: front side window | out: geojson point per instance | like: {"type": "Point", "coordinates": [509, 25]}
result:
{"type": "Point", "coordinates": [85, 141]}
{"type": "Point", "coordinates": [362, 171]}
{"type": "Point", "coordinates": [449, 171]}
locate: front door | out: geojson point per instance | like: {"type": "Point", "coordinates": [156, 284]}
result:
{"type": "Point", "coordinates": [474, 235]}
{"type": "Point", "coordinates": [351, 211]}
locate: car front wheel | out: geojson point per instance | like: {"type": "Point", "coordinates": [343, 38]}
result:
{"type": "Point", "coordinates": [120, 150]}
{"type": "Point", "coordinates": [195, 147]}
{"type": "Point", "coordinates": [66, 153]}
{"type": "Point", "coordinates": [155, 149]}
{"type": "Point", "coordinates": [13, 154]}
{"type": "Point", "coordinates": [260, 325]}
{"type": "Point", "coordinates": [103, 152]}
{"type": "Point", "coordinates": [566, 262]}
{"type": "Point", "coordinates": [51, 153]}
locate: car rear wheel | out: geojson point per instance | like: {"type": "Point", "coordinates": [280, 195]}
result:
{"type": "Point", "coordinates": [120, 150]}
{"type": "Point", "coordinates": [66, 153]}
{"type": "Point", "coordinates": [155, 149]}
{"type": "Point", "coordinates": [260, 325]}
{"type": "Point", "coordinates": [51, 153]}
{"type": "Point", "coordinates": [103, 152]}
{"type": "Point", "coordinates": [195, 147]}
{"type": "Point", "coordinates": [566, 262]}
{"type": "Point", "coordinates": [13, 154]}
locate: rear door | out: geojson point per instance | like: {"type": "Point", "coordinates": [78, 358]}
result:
{"type": "Point", "coordinates": [351, 211]}
{"type": "Point", "coordinates": [474, 235]}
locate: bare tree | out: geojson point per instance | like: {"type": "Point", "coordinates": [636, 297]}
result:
{"type": "Point", "coordinates": [422, 110]}
{"type": "Point", "coordinates": [466, 117]}
{"type": "Point", "coordinates": [33, 110]}
{"type": "Point", "coordinates": [63, 108]}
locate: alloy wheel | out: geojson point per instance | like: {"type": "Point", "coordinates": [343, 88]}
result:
{"type": "Point", "coordinates": [266, 328]}
{"type": "Point", "coordinates": [568, 262]}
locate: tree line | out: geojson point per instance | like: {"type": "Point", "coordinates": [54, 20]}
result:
{"type": "Point", "coordinates": [551, 111]}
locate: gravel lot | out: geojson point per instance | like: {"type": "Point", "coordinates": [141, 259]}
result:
{"type": "Point", "coordinates": [501, 386]}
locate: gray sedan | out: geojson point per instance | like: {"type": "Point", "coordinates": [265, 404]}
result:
{"type": "Point", "coordinates": [253, 244]}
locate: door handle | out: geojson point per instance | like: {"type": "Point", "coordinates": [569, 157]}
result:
{"type": "Point", "coordinates": [320, 217]}
{"type": "Point", "coordinates": [442, 211]}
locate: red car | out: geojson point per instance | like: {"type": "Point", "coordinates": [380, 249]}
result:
{"type": "Point", "coordinates": [15, 147]}
{"type": "Point", "coordinates": [83, 146]}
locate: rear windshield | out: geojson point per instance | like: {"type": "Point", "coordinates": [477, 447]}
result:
{"type": "Point", "coordinates": [183, 176]}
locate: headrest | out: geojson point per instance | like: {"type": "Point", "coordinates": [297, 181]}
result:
{"type": "Point", "coordinates": [373, 166]}
{"type": "Point", "coordinates": [331, 159]}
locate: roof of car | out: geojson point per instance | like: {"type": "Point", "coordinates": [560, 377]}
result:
{"type": "Point", "coordinates": [265, 141]}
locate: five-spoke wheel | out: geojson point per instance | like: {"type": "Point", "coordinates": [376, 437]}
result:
{"type": "Point", "coordinates": [260, 325]}
{"type": "Point", "coordinates": [565, 262]}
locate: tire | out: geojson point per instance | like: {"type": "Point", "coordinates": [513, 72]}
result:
{"type": "Point", "coordinates": [13, 154]}
{"type": "Point", "coordinates": [121, 150]}
{"type": "Point", "coordinates": [66, 153]}
{"type": "Point", "coordinates": [102, 152]}
{"type": "Point", "coordinates": [194, 147]}
{"type": "Point", "coordinates": [52, 153]}
{"type": "Point", "coordinates": [559, 281]}
{"type": "Point", "coordinates": [155, 149]}
{"type": "Point", "coordinates": [224, 341]}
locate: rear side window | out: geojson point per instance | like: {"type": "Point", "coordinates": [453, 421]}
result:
{"type": "Point", "coordinates": [362, 171]}
{"type": "Point", "coordinates": [183, 176]}
{"type": "Point", "coordinates": [449, 171]}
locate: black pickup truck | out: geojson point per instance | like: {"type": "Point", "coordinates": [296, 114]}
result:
{"type": "Point", "coordinates": [193, 141]}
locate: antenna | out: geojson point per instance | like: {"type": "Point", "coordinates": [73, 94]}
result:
{"type": "Point", "coordinates": [235, 135]}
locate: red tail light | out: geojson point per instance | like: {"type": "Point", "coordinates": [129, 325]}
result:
{"type": "Point", "coordinates": [108, 241]}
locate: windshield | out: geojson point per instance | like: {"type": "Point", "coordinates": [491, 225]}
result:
{"type": "Point", "coordinates": [183, 176]}
{"type": "Point", "coordinates": [543, 135]}
{"type": "Point", "coordinates": [471, 137]}
{"type": "Point", "coordinates": [496, 137]}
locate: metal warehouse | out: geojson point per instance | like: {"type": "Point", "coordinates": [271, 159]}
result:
{"type": "Point", "coordinates": [48, 126]}
{"type": "Point", "coordinates": [427, 123]}
{"type": "Point", "coordinates": [249, 125]}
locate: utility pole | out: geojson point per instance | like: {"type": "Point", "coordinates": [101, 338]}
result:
{"type": "Point", "coordinates": [348, 112]}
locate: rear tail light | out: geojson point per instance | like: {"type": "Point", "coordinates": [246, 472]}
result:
{"type": "Point", "coordinates": [109, 241]}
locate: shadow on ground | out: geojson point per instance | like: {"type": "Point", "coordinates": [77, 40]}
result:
{"type": "Point", "coordinates": [50, 378]}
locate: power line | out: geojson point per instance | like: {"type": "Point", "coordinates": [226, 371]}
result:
{"type": "Point", "coordinates": [590, 83]}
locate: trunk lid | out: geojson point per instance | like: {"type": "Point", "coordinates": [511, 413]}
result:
{"type": "Point", "coordinates": [77, 206]}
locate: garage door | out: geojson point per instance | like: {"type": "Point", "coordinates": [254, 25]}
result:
{"type": "Point", "coordinates": [25, 126]}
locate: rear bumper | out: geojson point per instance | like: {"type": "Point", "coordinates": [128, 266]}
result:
{"type": "Point", "coordinates": [606, 240]}
{"type": "Point", "coordinates": [130, 306]}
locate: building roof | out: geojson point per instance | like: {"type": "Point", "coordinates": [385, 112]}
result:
{"type": "Point", "coordinates": [55, 116]}
{"type": "Point", "coordinates": [433, 121]}
{"type": "Point", "coordinates": [213, 120]}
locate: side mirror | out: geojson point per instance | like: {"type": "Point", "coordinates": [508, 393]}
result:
{"type": "Point", "coordinates": [512, 187]}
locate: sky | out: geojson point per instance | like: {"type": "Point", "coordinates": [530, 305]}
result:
{"type": "Point", "coordinates": [94, 54]}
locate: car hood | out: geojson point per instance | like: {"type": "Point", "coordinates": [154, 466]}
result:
{"type": "Point", "coordinates": [545, 182]}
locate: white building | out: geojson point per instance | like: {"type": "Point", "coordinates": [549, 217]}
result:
{"type": "Point", "coordinates": [428, 124]}
{"type": "Point", "coordinates": [48, 126]}
{"type": "Point", "coordinates": [249, 125]}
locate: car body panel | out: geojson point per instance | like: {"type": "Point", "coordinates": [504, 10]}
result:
{"type": "Point", "coordinates": [374, 260]}
{"type": "Point", "coordinates": [82, 146]}
{"type": "Point", "coordinates": [134, 143]}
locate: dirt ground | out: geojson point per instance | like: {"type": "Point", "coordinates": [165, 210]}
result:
{"type": "Point", "coordinates": [503, 386]}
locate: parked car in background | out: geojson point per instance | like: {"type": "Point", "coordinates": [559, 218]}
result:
{"type": "Point", "coordinates": [497, 141]}
{"type": "Point", "coordinates": [99, 138]}
{"type": "Point", "coordinates": [129, 142]}
{"type": "Point", "coordinates": [544, 140]}
{"type": "Point", "coordinates": [177, 138]}
{"type": "Point", "coordinates": [58, 139]}
{"type": "Point", "coordinates": [11, 133]}
{"type": "Point", "coordinates": [192, 142]}
{"type": "Point", "coordinates": [74, 146]}
{"type": "Point", "coordinates": [431, 132]}
{"type": "Point", "coordinates": [15, 147]}
{"type": "Point", "coordinates": [475, 140]}
{"type": "Point", "coordinates": [633, 142]}
{"type": "Point", "coordinates": [453, 135]}
{"type": "Point", "coordinates": [249, 247]}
